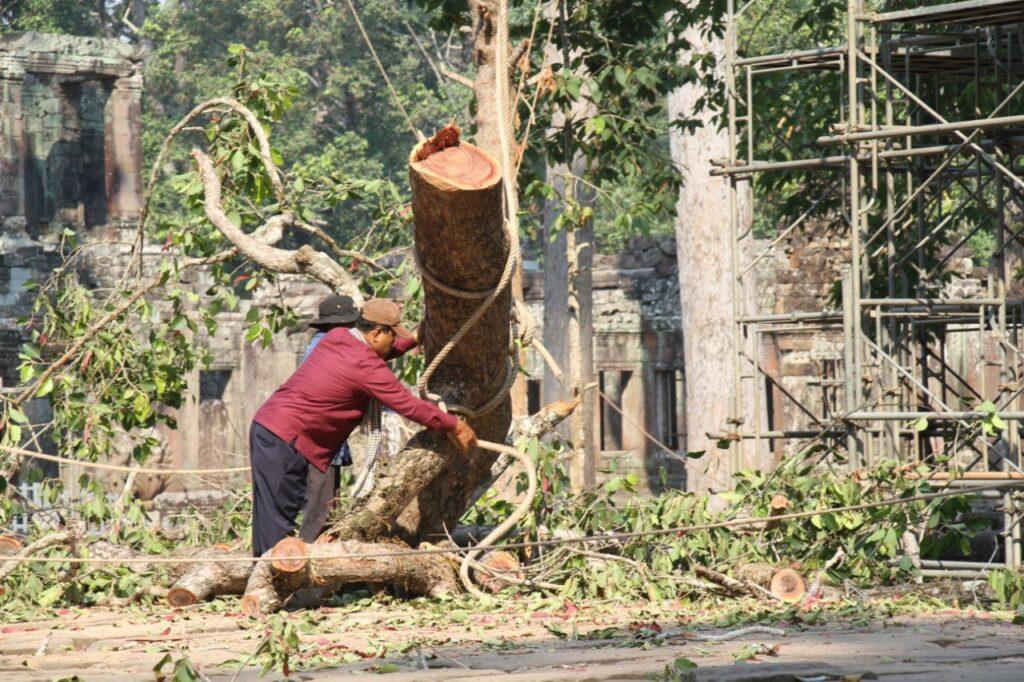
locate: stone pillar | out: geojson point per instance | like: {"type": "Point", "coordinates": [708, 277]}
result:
{"type": "Point", "coordinates": [12, 147]}
{"type": "Point", "coordinates": [635, 408]}
{"type": "Point", "coordinates": [123, 151]}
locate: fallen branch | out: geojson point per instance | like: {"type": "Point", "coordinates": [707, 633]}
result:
{"type": "Point", "coordinates": [45, 542]}
{"type": "Point", "coordinates": [742, 632]}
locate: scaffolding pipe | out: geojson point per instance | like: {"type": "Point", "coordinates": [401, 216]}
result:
{"type": "Point", "coordinates": [929, 129]}
{"type": "Point", "coordinates": [862, 415]}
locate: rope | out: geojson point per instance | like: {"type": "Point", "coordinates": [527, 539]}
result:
{"type": "Point", "coordinates": [505, 526]}
{"type": "Point", "coordinates": [383, 72]}
{"type": "Point", "coordinates": [19, 452]}
{"type": "Point", "coordinates": [553, 542]}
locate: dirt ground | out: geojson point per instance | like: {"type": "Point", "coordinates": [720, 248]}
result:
{"type": "Point", "coordinates": [608, 641]}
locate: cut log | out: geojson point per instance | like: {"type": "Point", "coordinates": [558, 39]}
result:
{"type": "Point", "coordinates": [536, 425]}
{"type": "Point", "coordinates": [785, 583]}
{"type": "Point", "coordinates": [461, 241]}
{"type": "Point", "coordinates": [272, 582]}
{"type": "Point", "coordinates": [9, 545]}
{"type": "Point", "coordinates": [503, 564]}
{"type": "Point", "coordinates": [788, 585]}
{"type": "Point", "coordinates": [210, 578]}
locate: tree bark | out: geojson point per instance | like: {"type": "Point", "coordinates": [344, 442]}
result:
{"type": "Point", "coordinates": [704, 247]}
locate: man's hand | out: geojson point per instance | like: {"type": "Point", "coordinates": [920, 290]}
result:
{"type": "Point", "coordinates": [463, 436]}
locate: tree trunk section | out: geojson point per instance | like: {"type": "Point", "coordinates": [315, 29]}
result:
{"type": "Point", "coordinates": [785, 583]}
{"type": "Point", "coordinates": [273, 582]}
{"type": "Point", "coordinates": [704, 247]}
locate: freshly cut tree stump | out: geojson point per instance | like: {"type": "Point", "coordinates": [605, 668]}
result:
{"type": "Point", "coordinates": [788, 585]}
{"type": "Point", "coordinates": [210, 578]}
{"type": "Point", "coordinates": [272, 582]}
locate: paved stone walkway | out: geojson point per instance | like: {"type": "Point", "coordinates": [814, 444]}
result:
{"type": "Point", "coordinates": [612, 642]}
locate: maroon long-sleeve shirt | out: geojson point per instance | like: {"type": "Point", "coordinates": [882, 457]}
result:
{"type": "Point", "coordinates": [326, 397]}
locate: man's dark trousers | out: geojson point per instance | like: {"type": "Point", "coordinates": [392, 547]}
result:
{"type": "Point", "coordinates": [279, 475]}
{"type": "Point", "coordinates": [321, 491]}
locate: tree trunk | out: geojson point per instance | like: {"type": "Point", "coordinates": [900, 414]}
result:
{"type": "Point", "coordinates": [568, 278]}
{"type": "Point", "coordinates": [704, 247]}
{"type": "Point", "coordinates": [569, 325]}
{"type": "Point", "coordinates": [460, 232]}
{"type": "Point", "coordinates": [490, 36]}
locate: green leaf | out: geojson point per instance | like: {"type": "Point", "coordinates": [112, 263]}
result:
{"type": "Point", "coordinates": [621, 76]}
{"type": "Point", "coordinates": [46, 389]}
{"type": "Point", "coordinates": [184, 672]}
{"type": "Point", "coordinates": [141, 406]}
{"type": "Point", "coordinates": [919, 424]}
{"type": "Point", "coordinates": [17, 416]}
{"type": "Point", "coordinates": [697, 454]}
{"type": "Point", "coordinates": [683, 664]}
{"type": "Point", "coordinates": [988, 406]}
{"type": "Point", "coordinates": [161, 663]}
{"type": "Point", "coordinates": [50, 595]}
{"type": "Point", "coordinates": [386, 668]}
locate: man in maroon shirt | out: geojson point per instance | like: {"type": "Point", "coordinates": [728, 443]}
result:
{"type": "Point", "coordinates": [307, 419]}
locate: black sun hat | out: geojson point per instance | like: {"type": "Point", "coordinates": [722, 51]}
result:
{"type": "Point", "coordinates": [335, 310]}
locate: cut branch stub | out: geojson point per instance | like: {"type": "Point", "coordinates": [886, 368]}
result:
{"type": "Point", "coordinates": [9, 545]}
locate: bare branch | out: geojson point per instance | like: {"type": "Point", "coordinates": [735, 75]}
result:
{"type": "Point", "coordinates": [340, 252]}
{"type": "Point", "coordinates": [517, 54]}
{"type": "Point", "coordinates": [457, 77]}
{"type": "Point", "coordinates": [259, 248]}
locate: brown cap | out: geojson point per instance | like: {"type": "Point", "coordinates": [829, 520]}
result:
{"type": "Point", "coordinates": [386, 312]}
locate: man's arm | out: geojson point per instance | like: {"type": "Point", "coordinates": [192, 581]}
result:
{"type": "Point", "coordinates": [380, 383]}
{"type": "Point", "coordinates": [401, 347]}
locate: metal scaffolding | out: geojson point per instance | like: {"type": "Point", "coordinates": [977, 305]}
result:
{"type": "Point", "coordinates": [924, 154]}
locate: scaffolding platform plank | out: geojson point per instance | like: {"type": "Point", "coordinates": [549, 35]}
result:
{"type": "Point", "coordinates": [970, 12]}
